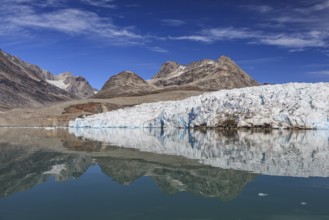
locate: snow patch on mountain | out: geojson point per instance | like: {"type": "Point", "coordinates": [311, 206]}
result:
{"type": "Point", "coordinates": [58, 83]}
{"type": "Point", "coordinates": [293, 105]}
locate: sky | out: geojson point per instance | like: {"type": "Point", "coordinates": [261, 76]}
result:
{"type": "Point", "coordinates": [277, 41]}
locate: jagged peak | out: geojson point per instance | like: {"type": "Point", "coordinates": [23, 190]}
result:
{"type": "Point", "coordinates": [65, 74]}
{"type": "Point", "coordinates": [170, 63]}
{"type": "Point", "coordinates": [224, 58]}
{"type": "Point", "coordinates": [166, 68]}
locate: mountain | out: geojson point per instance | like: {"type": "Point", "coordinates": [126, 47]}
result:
{"type": "Point", "coordinates": [75, 85]}
{"type": "Point", "coordinates": [25, 85]}
{"type": "Point", "coordinates": [125, 83]}
{"type": "Point", "coordinates": [205, 75]}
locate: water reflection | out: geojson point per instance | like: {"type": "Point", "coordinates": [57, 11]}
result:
{"type": "Point", "coordinates": [29, 157]}
{"type": "Point", "coordinates": [282, 153]}
{"type": "Point", "coordinates": [171, 178]}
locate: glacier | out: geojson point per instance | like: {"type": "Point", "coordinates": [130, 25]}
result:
{"type": "Point", "coordinates": [286, 106]}
{"type": "Point", "coordinates": [278, 152]}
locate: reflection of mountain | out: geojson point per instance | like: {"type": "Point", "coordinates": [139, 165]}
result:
{"type": "Point", "coordinates": [25, 162]}
{"type": "Point", "coordinates": [29, 156]}
{"type": "Point", "coordinates": [171, 178]}
{"type": "Point", "coordinates": [21, 170]}
{"type": "Point", "coordinates": [284, 153]}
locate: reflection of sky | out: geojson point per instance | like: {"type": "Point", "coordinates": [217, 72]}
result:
{"type": "Point", "coordinates": [282, 153]}
{"type": "Point", "coordinates": [95, 196]}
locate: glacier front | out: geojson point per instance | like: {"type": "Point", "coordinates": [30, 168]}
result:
{"type": "Point", "coordinates": [293, 105]}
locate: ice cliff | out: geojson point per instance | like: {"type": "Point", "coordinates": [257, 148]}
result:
{"type": "Point", "coordinates": [280, 152]}
{"type": "Point", "coordinates": [293, 105]}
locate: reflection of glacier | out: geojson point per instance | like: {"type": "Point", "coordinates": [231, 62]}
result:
{"type": "Point", "coordinates": [283, 153]}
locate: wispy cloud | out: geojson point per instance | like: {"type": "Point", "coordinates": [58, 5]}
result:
{"type": "Point", "coordinates": [158, 49]}
{"type": "Point", "coordinates": [288, 40]}
{"type": "Point", "coordinates": [32, 3]}
{"type": "Point", "coordinates": [217, 34]}
{"type": "Point", "coordinates": [315, 7]}
{"type": "Point", "coordinates": [100, 3]}
{"type": "Point", "coordinates": [259, 8]}
{"type": "Point", "coordinates": [320, 73]}
{"type": "Point", "coordinates": [173, 22]}
{"type": "Point", "coordinates": [22, 18]}
{"type": "Point", "coordinates": [300, 41]}
{"type": "Point", "coordinates": [200, 38]}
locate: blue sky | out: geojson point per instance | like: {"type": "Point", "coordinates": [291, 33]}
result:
{"type": "Point", "coordinates": [273, 41]}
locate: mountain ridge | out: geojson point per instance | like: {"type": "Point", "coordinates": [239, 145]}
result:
{"type": "Point", "coordinates": [205, 75]}
{"type": "Point", "coordinates": [27, 85]}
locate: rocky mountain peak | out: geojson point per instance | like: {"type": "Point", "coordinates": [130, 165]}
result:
{"type": "Point", "coordinates": [165, 70]}
{"type": "Point", "coordinates": [64, 75]}
{"type": "Point", "coordinates": [27, 85]}
{"type": "Point", "coordinates": [24, 84]}
{"type": "Point", "coordinates": [224, 59]}
{"type": "Point", "coordinates": [204, 75]}
{"type": "Point", "coordinates": [126, 75]}
{"type": "Point", "coordinates": [125, 83]}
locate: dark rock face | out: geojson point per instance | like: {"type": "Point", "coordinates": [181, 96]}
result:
{"type": "Point", "coordinates": [124, 84]}
{"type": "Point", "coordinates": [205, 75]}
{"type": "Point", "coordinates": [26, 85]}
{"type": "Point", "coordinates": [23, 85]}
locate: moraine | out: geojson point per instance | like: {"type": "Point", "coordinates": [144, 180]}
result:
{"type": "Point", "coordinates": [293, 105]}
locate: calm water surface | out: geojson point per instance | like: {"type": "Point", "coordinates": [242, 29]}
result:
{"type": "Point", "coordinates": [163, 174]}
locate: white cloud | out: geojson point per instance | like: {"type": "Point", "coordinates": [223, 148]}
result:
{"type": "Point", "coordinates": [204, 39]}
{"type": "Point", "coordinates": [173, 22]}
{"type": "Point", "coordinates": [322, 73]}
{"type": "Point", "coordinates": [295, 41]}
{"type": "Point", "coordinates": [100, 3]}
{"type": "Point", "coordinates": [316, 7]}
{"type": "Point", "coordinates": [20, 18]}
{"type": "Point", "coordinates": [259, 8]}
{"type": "Point", "coordinates": [230, 33]}
{"type": "Point", "coordinates": [158, 49]}
{"type": "Point", "coordinates": [217, 34]}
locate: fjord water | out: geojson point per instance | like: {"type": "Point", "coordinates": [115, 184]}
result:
{"type": "Point", "coordinates": [163, 174]}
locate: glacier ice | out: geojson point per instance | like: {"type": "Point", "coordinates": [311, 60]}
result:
{"type": "Point", "coordinates": [293, 105]}
{"type": "Point", "coordinates": [280, 152]}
